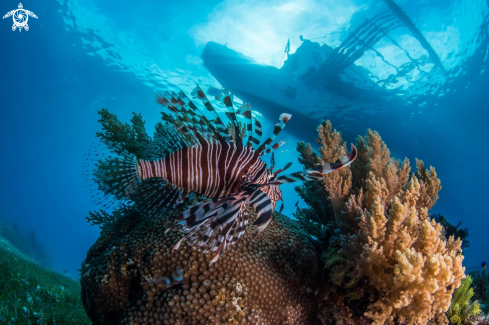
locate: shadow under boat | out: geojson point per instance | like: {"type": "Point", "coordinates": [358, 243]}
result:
{"type": "Point", "coordinates": [317, 82]}
{"type": "Point", "coordinates": [274, 91]}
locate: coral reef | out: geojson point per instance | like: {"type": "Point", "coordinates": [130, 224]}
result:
{"type": "Point", "coordinates": [480, 320]}
{"type": "Point", "coordinates": [317, 215]}
{"type": "Point", "coordinates": [132, 275]}
{"type": "Point", "coordinates": [387, 261]}
{"type": "Point", "coordinates": [451, 230]}
{"type": "Point", "coordinates": [481, 288]}
{"type": "Point", "coordinates": [461, 309]}
{"type": "Point", "coordinates": [105, 220]}
{"type": "Point", "coordinates": [272, 280]}
{"type": "Point", "coordinates": [32, 294]}
{"type": "Point", "coordinates": [383, 246]}
{"type": "Point", "coordinates": [133, 137]}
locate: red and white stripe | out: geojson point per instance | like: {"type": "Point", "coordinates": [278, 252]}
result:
{"type": "Point", "coordinates": [213, 168]}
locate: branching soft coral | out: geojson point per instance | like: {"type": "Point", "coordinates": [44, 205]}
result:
{"type": "Point", "coordinates": [338, 184]}
{"type": "Point", "coordinates": [393, 250]}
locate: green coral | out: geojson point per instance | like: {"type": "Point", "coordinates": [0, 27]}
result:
{"type": "Point", "coordinates": [319, 212]}
{"type": "Point", "coordinates": [32, 294]}
{"type": "Point", "coordinates": [106, 220]}
{"type": "Point", "coordinates": [311, 222]}
{"type": "Point", "coordinates": [461, 309]}
{"type": "Point", "coordinates": [336, 264]}
{"type": "Point", "coordinates": [131, 137]}
{"type": "Point", "coordinates": [480, 280]}
{"type": "Point", "coordinates": [451, 230]}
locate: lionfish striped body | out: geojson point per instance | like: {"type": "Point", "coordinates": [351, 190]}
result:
{"type": "Point", "coordinates": [213, 168]}
{"type": "Point", "coordinates": [202, 156]}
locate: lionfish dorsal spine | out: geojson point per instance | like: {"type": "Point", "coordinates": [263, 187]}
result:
{"type": "Point", "coordinates": [246, 112]}
{"type": "Point", "coordinates": [177, 108]}
{"type": "Point", "coordinates": [284, 119]}
{"type": "Point", "coordinates": [231, 114]}
{"type": "Point", "coordinates": [191, 119]}
{"type": "Point", "coordinates": [212, 131]}
{"type": "Point", "coordinates": [257, 134]}
{"type": "Point", "coordinates": [221, 128]}
{"type": "Point", "coordinates": [273, 148]}
{"type": "Point", "coordinates": [272, 163]}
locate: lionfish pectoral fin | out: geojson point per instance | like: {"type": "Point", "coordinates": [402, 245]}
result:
{"type": "Point", "coordinates": [221, 213]}
{"type": "Point", "coordinates": [223, 237]}
{"type": "Point", "coordinates": [189, 232]}
{"type": "Point", "coordinates": [220, 251]}
{"type": "Point", "coordinates": [156, 195]}
{"type": "Point", "coordinates": [202, 211]}
{"type": "Point", "coordinates": [316, 173]}
{"type": "Point", "coordinates": [278, 171]}
{"type": "Point", "coordinates": [263, 220]}
{"type": "Point", "coordinates": [263, 206]}
{"type": "Point", "coordinates": [179, 224]}
{"type": "Point", "coordinates": [343, 161]}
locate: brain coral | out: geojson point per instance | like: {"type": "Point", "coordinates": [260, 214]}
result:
{"type": "Point", "coordinates": [272, 280]}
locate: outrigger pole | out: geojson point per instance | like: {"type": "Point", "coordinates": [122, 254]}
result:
{"type": "Point", "coordinates": [415, 31]}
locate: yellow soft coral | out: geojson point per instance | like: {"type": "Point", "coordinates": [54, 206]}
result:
{"type": "Point", "coordinates": [338, 184]}
{"type": "Point", "coordinates": [399, 253]}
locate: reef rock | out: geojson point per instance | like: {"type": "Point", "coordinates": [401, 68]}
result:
{"type": "Point", "coordinates": [132, 276]}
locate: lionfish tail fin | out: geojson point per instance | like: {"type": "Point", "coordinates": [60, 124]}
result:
{"type": "Point", "coordinates": [115, 174]}
{"type": "Point", "coordinates": [284, 119]}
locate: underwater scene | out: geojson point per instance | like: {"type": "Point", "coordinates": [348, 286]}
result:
{"type": "Point", "coordinates": [244, 162]}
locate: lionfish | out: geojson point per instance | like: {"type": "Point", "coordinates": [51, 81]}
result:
{"type": "Point", "coordinates": [203, 156]}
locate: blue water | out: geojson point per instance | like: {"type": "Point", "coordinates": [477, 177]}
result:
{"type": "Point", "coordinates": [80, 56]}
